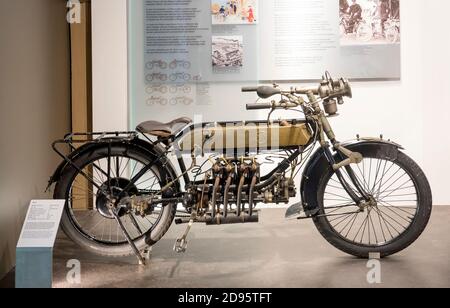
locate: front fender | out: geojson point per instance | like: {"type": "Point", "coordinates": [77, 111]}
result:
{"type": "Point", "coordinates": [318, 165]}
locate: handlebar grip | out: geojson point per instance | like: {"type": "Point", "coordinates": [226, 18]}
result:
{"type": "Point", "coordinates": [249, 89]}
{"type": "Point", "coordinates": [259, 106]}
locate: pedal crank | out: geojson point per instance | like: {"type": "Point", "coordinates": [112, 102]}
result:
{"type": "Point", "coordinates": [182, 243]}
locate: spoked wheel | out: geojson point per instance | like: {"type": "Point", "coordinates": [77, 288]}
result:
{"type": "Point", "coordinates": [396, 214]}
{"type": "Point", "coordinates": [364, 32]}
{"type": "Point", "coordinates": [88, 219]}
{"type": "Point", "coordinates": [392, 35]}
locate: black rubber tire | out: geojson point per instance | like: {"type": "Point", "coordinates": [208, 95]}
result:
{"type": "Point", "coordinates": [119, 250]}
{"type": "Point", "coordinates": [403, 241]}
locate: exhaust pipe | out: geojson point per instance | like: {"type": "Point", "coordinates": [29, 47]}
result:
{"type": "Point", "coordinates": [233, 219]}
{"type": "Point", "coordinates": [221, 220]}
{"type": "Point", "coordinates": [239, 204]}
{"type": "Point", "coordinates": [251, 193]}
{"type": "Point", "coordinates": [214, 196]}
{"type": "Point", "coordinates": [225, 194]}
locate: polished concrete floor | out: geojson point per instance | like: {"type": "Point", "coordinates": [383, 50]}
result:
{"type": "Point", "coordinates": [273, 253]}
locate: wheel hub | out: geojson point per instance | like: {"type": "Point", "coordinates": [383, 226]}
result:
{"type": "Point", "coordinates": [104, 203]}
{"type": "Point", "coordinates": [372, 203]}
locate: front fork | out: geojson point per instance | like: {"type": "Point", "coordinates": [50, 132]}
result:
{"type": "Point", "coordinates": [348, 156]}
{"type": "Point", "coordinates": [357, 199]}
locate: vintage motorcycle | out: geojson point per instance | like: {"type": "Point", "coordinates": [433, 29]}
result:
{"type": "Point", "coordinates": [123, 191]}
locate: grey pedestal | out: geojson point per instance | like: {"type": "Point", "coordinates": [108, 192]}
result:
{"type": "Point", "coordinates": [34, 267]}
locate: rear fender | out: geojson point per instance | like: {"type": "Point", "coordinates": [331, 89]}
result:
{"type": "Point", "coordinates": [153, 151]}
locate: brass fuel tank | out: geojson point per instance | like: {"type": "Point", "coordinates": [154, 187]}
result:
{"type": "Point", "coordinates": [249, 137]}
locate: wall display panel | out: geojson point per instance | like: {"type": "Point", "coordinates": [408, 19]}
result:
{"type": "Point", "coordinates": [358, 39]}
{"type": "Point", "coordinates": [188, 57]}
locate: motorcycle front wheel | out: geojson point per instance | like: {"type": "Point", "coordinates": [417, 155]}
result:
{"type": "Point", "coordinates": [87, 220]}
{"type": "Point", "coordinates": [397, 215]}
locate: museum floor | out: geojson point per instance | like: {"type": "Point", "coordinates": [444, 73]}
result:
{"type": "Point", "coordinates": [274, 253]}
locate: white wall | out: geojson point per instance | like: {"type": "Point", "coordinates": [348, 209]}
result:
{"type": "Point", "coordinates": [109, 65]}
{"type": "Point", "coordinates": [413, 111]}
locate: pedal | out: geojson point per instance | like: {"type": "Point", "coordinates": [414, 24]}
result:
{"type": "Point", "coordinates": [181, 243]}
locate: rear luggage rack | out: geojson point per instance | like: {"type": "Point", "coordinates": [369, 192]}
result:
{"type": "Point", "coordinates": [78, 138]}
{"type": "Point", "coordinates": [73, 139]}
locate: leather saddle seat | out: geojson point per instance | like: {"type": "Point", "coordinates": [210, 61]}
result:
{"type": "Point", "coordinates": [163, 130]}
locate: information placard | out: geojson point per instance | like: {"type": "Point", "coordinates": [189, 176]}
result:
{"type": "Point", "coordinates": [41, 224]}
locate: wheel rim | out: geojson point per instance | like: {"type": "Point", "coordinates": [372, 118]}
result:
{"type": "Point", "coordinates": [391, 214]}
{"type": "Point", "coordinates": [83, 201]}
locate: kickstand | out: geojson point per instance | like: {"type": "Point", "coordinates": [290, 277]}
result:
{"type": "Point", "coordinates": [181, 243]}
{"type": "Point", "coordinates": [136, 251]}
{"type": "Point", "coordinates": [146, 254]}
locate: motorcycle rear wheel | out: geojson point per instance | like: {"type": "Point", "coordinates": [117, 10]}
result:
{"type": "Point", "coordinates": [91, 227]}
{"type": "Point", "coordinates": [402, 211]}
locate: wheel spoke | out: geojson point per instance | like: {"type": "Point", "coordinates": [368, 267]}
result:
{"type": "Point", "coordinates": [385, 172]}
{"type": "Point", "coordinates": [349, 222]}
{"type": "Point", "coordinates": [381, 226]}
{"type": "Point", "coordinates": [351, 227]}
{"type": "Point", "coordinates": [363, 182]}
{"type": "Point", "coordinates": [359, 230]}
{"type": "Point", "coordinates": [391, 218]}
{"type": "Point", "coordinates": [378, 168]}
{"type": "Point", "coordinates": [391, 208]}
{"type": "Point", "coordinates": [340, 196]}
{"type": "Point", "coordinates": [394, 190]}
{"type": "Point", "coordinates": [385, 222]}
{"type": "Point", "coordinates": [346, 216]}
{"type": "Point", "coordinates": [381, 186]}
{"type": "Point", "coordinates": [374, 229]}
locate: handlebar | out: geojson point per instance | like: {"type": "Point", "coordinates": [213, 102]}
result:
{"type": "Point", "coordinates": [328, 88]}
{"type": "Point", "coordinates": [273, 105]}
{"type": "Point", "coordinates": [330, 92]}
{"type": "Point", "coordinates": [259, 106]}
{"type": "Point", "coordinates": [249, 89]}
{"type": "Point", "coordinates": [267, 91]}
